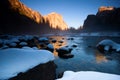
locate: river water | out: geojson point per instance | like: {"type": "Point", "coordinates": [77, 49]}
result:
{"type": "Point", "coordinates": [86, 56]}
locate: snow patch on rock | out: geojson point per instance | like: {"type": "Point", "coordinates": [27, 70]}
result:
{"type": "Point", "coordinates": [14, 60]}
{"type": "Point", "coordinates": [109, 44]}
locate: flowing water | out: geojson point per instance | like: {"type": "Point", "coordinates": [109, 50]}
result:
{"type": "Point", "coordinates": [86, 56]}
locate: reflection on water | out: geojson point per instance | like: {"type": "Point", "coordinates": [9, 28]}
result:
{"type": "Point", "coordinates": [60, 42]}
{"type": "Point", "coordinates": [100, 57]}
{"type": "Point", "coordinates": [86, 57]}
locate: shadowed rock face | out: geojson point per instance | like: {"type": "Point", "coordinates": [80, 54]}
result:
{"type": "Point", "coordinates": [15, 17]}
{"type": "Point", "coordinates": [45, 71]}
{"type": "Point", "coordinates": [106, 19]}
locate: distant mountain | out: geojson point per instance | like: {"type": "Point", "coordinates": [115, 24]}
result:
{"type": "Point", "coordinates": [56, 21]}
{"type": "Point", "coordinates": [15, 17]}
{"type": "Point", "coordinates": [106, 19]}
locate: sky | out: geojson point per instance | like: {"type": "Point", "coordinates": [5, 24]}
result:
{"type": "Point", "coordinates": [74, 12]}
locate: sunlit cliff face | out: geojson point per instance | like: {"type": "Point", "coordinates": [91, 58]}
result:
{"type": "Point", "coordinates": [104, 8]}
{"type": "Point", "coordinates": [56, 21]}
{"type": "Point", "coordinates": [24, 10]}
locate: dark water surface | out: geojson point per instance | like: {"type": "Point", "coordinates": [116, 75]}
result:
{"type": "Point", "coordinates": [86, 56]}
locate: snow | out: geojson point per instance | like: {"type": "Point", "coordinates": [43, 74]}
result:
{"type": "Point", "coordinates": [14, 60]}
{"type": "Point", "coordinates": [54, 40]}
{"type": "Point", "coordinates": [13, 44]}
{"type": "Point", "coordinates": [9, 41]}
{"type": "Point", "coordinates": [6, 41]}
{"type": "Point", "coordinates": [35, 48]}
{"type": "Point", "coordinates": [27, 37]}
{"type": "Point", "coordinates": [27, 47]}
{"type": "Point", "coordinates": [61, 41]}
{"type": "Point", "coordinates": [88, 75]}
{"type": "Point", "coordinates": [109, 43]}
{"type": "Point", "coordinates": [50, 46]}
{"type": "Point", "coordinates": [43, 39]}
{"type": "Point", "coordinates": [23, 43]}
{"type": "Point", "coordinates": [4, 47]}
{"type": "Point", "coordinates": [14, 40]}
{"type": "Point", "coordinates": [64, 48]}
{"type": "Point", "coordinates": [107, 48]}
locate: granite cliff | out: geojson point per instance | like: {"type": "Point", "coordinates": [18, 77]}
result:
{"type": "Point", "coordinates": [56, 21]}
{"type": "Point", "coordinates": [106, 19]}
{"type": "Point", "coordinates": [17, 18]}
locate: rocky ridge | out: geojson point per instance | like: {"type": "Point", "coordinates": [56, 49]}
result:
{"type": "Point", "coordinates": [56, 21]}
{"type": "Point", "coordinates": [21, 19]}
{"type": "Point", "coordinates": [106, 19]}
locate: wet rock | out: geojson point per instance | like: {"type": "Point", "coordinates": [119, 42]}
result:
{"type": "Point", "coordinates": [32, 43]}
{"type": "Point", "coordinates": [74, 45]}
{"type": "Point", "coordinates": [4, 47]}
{"type": "Point", "coordinates": [65, 52]}
{"type": "Point", "coordinates": [60, 75]}
{"type": "Point", "coordinates": [42, 46]}
{"type": "Point", "coordinates": [108, 46]}
{"type": "Point", "coordinates": [40, 72]}
{"type": "Point", "coordinates": [50, 47]}
{"type": "Point", "coordinates": [54, 41]}
{"type": "Point", "coordinates": [60, 45]}
{"type": "Point", "coordinates": [1, 45]}
{"type": "Point", "coordinates": [105, 49]}
{"type": "Point", "coordinates": [12, 45]}
{"type": "Point", "coordinates": [23, 43]}
{"type": "Point", "coordinates": [61, 41]}
{"type": "Point", "coordinates": [43, 39]}
{"type": "Point", "coordinates": [63, 38]}
{"type": "Point", "coordinates": [101, 48]}
{"type": "Point", "coordinates": [66, 56]}
{"type": "Point", "coordinates": [70, 38]}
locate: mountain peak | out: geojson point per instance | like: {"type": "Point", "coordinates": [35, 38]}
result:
{"type": "Point", "coordinates": [56, 21]}
{"type": "Point", "coordinates": [53, 13]}
{"type": "Point", "coordinates": [106, 19]}
{"type": "Point", "coordinates": [106, 8]}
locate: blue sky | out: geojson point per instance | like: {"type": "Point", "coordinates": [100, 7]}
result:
{"type": "Point", "coordinates": [74, 12]}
